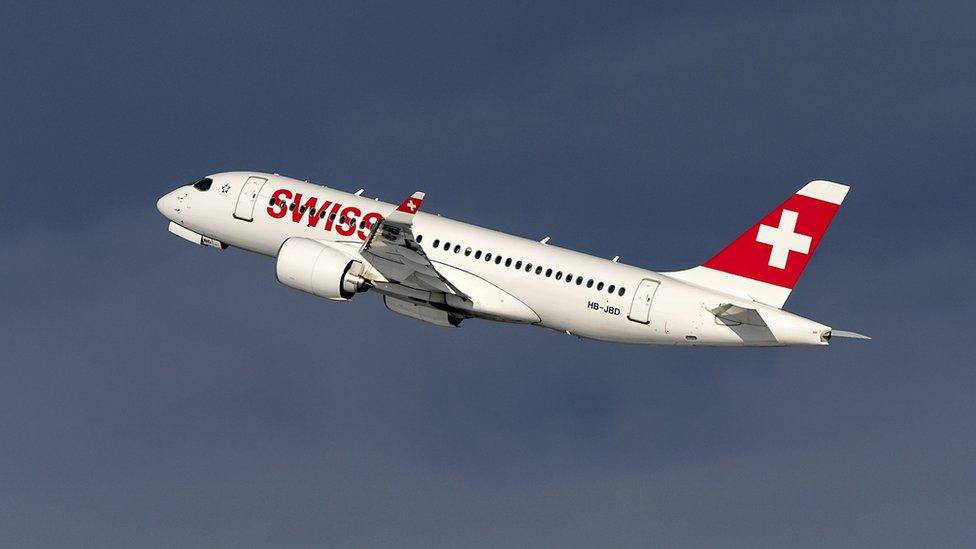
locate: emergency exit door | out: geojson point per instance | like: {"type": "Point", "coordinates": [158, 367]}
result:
{"type": "Point", "coordinates": [248, 197]}
{"type": "Point", "coordinates": [640, 308]}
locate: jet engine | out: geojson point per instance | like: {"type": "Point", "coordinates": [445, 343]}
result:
{"type": "Point", "coordinates": [319, 269]}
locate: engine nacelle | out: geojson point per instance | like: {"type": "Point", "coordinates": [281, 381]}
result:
{"type": "Point", "coordinates": [319, 269]}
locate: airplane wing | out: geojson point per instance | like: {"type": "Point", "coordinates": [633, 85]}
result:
{"type": "Point", "coordinates": [393, 251]}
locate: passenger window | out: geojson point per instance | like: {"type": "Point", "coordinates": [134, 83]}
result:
{"type": "Point", "coordinates": [559, 275]}
{"type": "Point", "coordinates": [467, 251]}
{"type": "Point", "coordinates": [437, 242]}
{"type": "Point", "coordinates": [621, 292]}
{"type": "Point", "coordinates": [457, 248]}
{"type": "Point", "coordinates": [447, 246]}
{"type": "Point", "coordinates": [589, 283]}
{"type": "Point", "coordinates": [271, 202]}
{"type": "Point", "coordinates": [332, 217]}
{"type": "Point", "coordinates": [528, 267]}
{"type": "Point", "coordinates": [291, 207]}
{"type": "Point", "coordinates": [477, 255]}
{"type": "Point", "coordinates": [498, 259]}
{"type": "Point", "coordinates": [548, 273]}
{"type": "Point", "coordinates": [420, 237]}
{"type": "Point", "coordinates": [569, 278]}
{"type": "Point", "coordinates": [579, 280]}
{"type": "Point", "coordinates": [488, 256]}
{"type": "Point", "coordinates": [538, 270]}
{"type": "Point", "coordinates": [611, 288]}
{"type": "Point", "coordinates": [302, 209]}
{"type": "Point", "coordinates": [599, 286]}
{"type": "Point", "coordinates": [518, 264]}
{"type": "Point", "coordinates": [322, 214]}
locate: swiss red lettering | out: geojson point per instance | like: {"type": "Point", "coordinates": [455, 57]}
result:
{"type": "Point", "coordinates": [369, 219]}
{"type": "Point", "coordinates": [315, 215]}
{"type": "Point", "coordinates": [332, 216]}
{"type": "Point", "coordinates": [347, 226]}
{"type": "Point", "coordinates": [345, 223]}
{"type": "Point", "coordinates": [278, 209]}
{"type": "Point", "coordinates": [299, 211]}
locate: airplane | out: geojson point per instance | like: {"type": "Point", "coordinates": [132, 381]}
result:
{"type": "Point", "coordinates": [335, 244]}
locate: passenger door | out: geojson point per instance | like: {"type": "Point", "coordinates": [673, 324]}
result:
{"type": "Point", "coordinates": [248, 197]}
{"type": "Point", "coordinates": [640, 307]}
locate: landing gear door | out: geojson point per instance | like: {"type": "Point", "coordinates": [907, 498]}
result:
{"type": "Point", "coordinates": [248, 197]}
{"type": "Point", "coordinates": [640, 308]}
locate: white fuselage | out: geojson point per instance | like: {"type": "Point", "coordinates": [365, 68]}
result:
{"type": "Point", "coordinates": [564, 290]}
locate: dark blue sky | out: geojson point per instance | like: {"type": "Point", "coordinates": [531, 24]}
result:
{"type": "Point", "coordinates": [157, 394]}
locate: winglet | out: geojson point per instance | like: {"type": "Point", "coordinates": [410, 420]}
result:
{"type": "Point", "coordinates": [412, 204]}
{"type": "Point", "coordinates": [404, 213]}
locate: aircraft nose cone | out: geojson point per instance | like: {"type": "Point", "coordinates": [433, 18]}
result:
{"type": "Point", "coordinates": [167, 205]}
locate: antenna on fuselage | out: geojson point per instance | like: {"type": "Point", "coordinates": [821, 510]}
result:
{"type": "Point", "coordinates": [359, 192]}
{"type": "Point", "coordinates": [544, 240]}
{"type": "Point", "coordinates": [615, 258]}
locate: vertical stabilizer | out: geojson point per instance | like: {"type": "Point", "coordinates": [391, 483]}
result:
{"type": "Point", "coordinates": [765, 262]}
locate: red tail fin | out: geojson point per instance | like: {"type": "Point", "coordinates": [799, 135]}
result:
{"type": "Point", "coordinates": [778, 247]}
{"type": "Point", "coordinates": [772, 253]}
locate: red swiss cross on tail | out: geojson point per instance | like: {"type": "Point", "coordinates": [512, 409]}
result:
{"type": "Point", "coordinates": [783, 239]}
{"type": "Point", "coordinates": [777, 248]}
{"type": "Point", "coordinates": [766, 261]}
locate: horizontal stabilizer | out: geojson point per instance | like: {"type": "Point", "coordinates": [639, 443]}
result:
{"type": "Point", "coordinates": [844, 333]}
{"type": "Point", "coordinates": [738, 315]}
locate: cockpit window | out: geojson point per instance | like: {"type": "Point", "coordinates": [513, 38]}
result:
{"type": "Point", "coordinates": [203, 184]}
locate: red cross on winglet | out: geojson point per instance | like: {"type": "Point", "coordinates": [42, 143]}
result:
{"type": "Point", "coordinates": [412, 204]}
